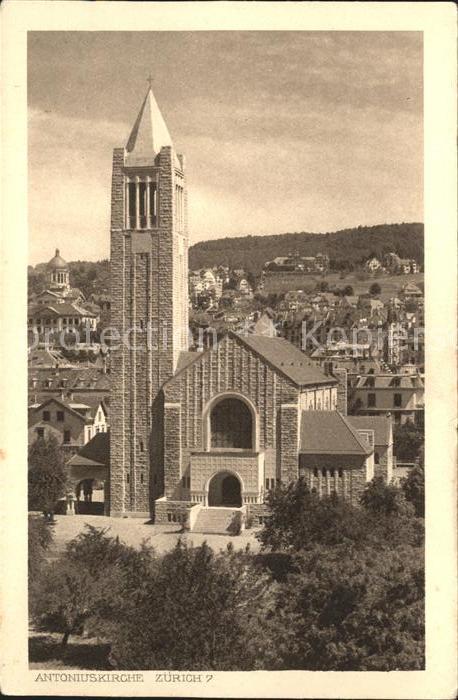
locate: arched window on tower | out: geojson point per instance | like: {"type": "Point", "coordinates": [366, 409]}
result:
{"type": "Point", "coordinates": [231, 425]}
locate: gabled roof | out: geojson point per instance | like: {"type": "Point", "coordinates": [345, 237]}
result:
{"type": "Point", "coordinates": [381, 425]}
{"type": "Point", "coordinates": [48, 358]}
{"type": "Point", "coordinates": [64, 308]}
{"type": "Point", "coordinates": [64, 405]}
{"type": "Point", "coordinates": [149, 133]}
{"type": "Point", "coordinates": [49, 292]}
{"type": "Point", "coordinates": [96, 452]}
{"type": "Point", "coordinates": [286, 358]}
{"type": "Point", "coordinates": [329, 432]}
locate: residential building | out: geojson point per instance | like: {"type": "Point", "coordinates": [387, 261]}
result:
{"type": "Point", "coordinates": [400, 395]}
{"type": "Point", "coordinates": [73, 423]}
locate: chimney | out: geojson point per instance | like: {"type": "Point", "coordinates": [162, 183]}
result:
{"type": "Point", "coordinates": [341, 375]}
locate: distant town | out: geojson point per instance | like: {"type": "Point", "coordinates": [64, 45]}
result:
{"type": "Point", "coordinates": [377, 307]}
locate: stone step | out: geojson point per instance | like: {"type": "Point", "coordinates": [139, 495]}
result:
{"type": "Point", "coordinates": [223, 521]}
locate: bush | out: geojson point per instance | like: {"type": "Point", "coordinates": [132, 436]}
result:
{"type": "Point", "coordinates": [40, 536]}
{"type": "Point", "coordinates": [87, 584]}
{"type": "Point", "coordinates": [300, 519]}
{"type": "Point", "coordinates": [408, 441]}
{"type": "Point", "coordinates": [413, 486]}
{"type": "Point", "coordinates": [375, 289]}
{"type": "Point", "coordinates": [349, 609]}
{"type": "Point", "coordinates": [198, 610]}
{"type": "Point", "coordinates": [46, 476]}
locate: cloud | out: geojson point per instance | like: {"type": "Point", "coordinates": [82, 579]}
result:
{"type": "Point", "coordinates": [281, 130]}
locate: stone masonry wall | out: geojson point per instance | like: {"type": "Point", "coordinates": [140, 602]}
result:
{"type": "Point", "coordinates": [146, 290]}
{"type": "Point", "coordinates": [289, 442]}
{"type": "Point", "coordinates": [230, 368]}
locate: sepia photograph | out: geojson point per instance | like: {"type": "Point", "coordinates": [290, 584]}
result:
{"type": "Point", "coordinates": [227, 360]}
{"type": "Point", "coordinates": [226, 351]}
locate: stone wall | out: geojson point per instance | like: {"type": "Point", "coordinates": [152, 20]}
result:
{"type": "Point", "coordinates": [342, 398]}
{"type": "Point", "coordinates": [289, 442]}
{"type": "Point", "coordinates": [256, 512]}
{"type": "Point", "coordinates": [171, 511]}
{"type": "Point", "coordinates": [321, 473]}
{"type": "Point", "coordinates": [231, 368]}
{"type": "Point", "coordinates": [148, 276]}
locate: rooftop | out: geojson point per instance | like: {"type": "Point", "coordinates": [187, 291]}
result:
{"type": "Point", "coordinates": [96, 452]}
{"type": "Point", "coordinates": [329, 432]}
{"type": "Point", "coordinates": [287, 358]}
{"type": "Point", "coordinates": [381, 425]}
{"type": "Point", "coordinates": [149, 133]}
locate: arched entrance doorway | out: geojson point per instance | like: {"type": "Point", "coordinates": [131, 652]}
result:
{"type": "Point", "coordinates": [225, 489]}
{"type": "Point", "coordinates": [90, 496]}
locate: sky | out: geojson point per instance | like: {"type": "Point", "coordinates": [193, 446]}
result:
{"type": "Point", "coordinates": [282, 131]}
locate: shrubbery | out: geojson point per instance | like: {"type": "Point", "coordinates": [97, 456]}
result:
{"type": "Point", "coordinates": [46, 475]}
{"type": "Point", "coordinates": [335, 587]}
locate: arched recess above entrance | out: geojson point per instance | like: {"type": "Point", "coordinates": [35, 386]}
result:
{"type": "Point", "coordinates": [246, 408]}
{"type": "Point", "coordinates": [224, 488]}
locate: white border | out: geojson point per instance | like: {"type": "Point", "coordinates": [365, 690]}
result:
{"type": "Point", "coordinates": [437, 21]}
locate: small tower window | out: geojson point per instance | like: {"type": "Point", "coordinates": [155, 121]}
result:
{"type": "Point", "coordinates": [142, 203]}
{"type": "Point", "coordinates": [132, 204]}
{"type": "Point", "coordinates": [153, 204]}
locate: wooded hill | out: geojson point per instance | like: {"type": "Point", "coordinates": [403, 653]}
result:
{"type": "Point", "coordinates": [347, 248]}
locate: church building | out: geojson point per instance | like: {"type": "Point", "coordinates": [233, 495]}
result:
{"type": "Point", "coordinates": [200, 437]}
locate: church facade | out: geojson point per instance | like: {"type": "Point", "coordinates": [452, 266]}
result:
{"type": "Point", "coordinates": [193, 432]}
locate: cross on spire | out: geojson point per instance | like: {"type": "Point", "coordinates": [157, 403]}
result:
{"type": "Point", "coordinates": [149, 80]}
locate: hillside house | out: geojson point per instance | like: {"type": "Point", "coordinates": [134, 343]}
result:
{"type": "Point", "coordinates": [73, 423]}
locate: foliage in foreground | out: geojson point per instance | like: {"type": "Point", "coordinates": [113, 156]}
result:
{"type": "Point", "coordinates": [346, 608]}
{"type": "Point", "coordinates": [40, 536]}
{"type": "Point", "coordinates": [86, 582]}
{"type": "Point", "coordinates": [199, 610]}
{"type": "Point", "coordinates": [343, 606]}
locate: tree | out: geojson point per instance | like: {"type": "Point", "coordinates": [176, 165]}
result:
{"type": "Point", "coordinates": [88, 583]}
{"type": "Point", "coordinates": [413, 486]}
{"type": "Point", "coordinates": [375, 289]}
{"type": "Point", "coordinates": [348, 291]}
{"type": "Point", "coordinates": [384, 499]}
{"type": "Point", "coordinates": [198, 610]}
{"type": "Point", "coordinates": [408, 440]}
{"type": "Point", "coordinates": [46, 477]}
{"type": "Point", "coordinates": [346, 608]}
{"type": "Point", "coordinates": [40, 536]}
{"type": "Point", "coordinates": [300, 519]}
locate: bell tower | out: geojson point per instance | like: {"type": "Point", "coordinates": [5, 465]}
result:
{"type": "Point", "coordinates": [149, 303]}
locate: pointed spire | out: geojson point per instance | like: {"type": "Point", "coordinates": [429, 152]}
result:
{"type": "Point", "coordinates": [149, 133]}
